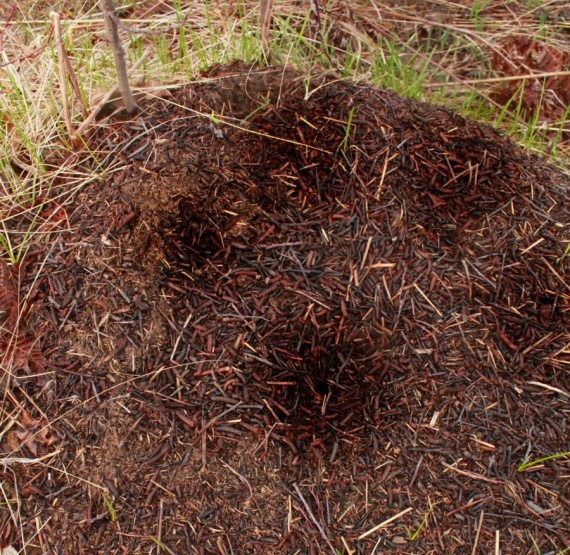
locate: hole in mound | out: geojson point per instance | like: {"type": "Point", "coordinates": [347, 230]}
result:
{"type": "Point", "coordinates": [199, 229]}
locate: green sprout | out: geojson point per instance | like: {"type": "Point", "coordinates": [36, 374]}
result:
{"type": "Point", "coordinates": [414, 536]}
{"type": "Point", "coordinates": [529, 464]}
{"type": "Point", "coordinates": [347, 132]}
{"type": "Point", "coordinates": [110, 508]}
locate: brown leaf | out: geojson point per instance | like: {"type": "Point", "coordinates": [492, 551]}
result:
{"type": "Point", "coordinates": [22, 353]}
{"type": "Point", "coordinates": [33, 433]}
{"type": "Point", "coordinates": [523, 56]}
{"type": "Point", "coordinates": [8, 295]}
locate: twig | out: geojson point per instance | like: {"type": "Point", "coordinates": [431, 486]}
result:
{"type": "Point", "coordinates": [7, 23]}
{"type": "Point", "coordinates": [346, 546]}
{"type": "Point", "coordinates": [427, 299]}
{"type": "Point", "coordinates": [108, 96]}
{"type": "Point", "coordinates": [473, 475]}
{"type": "Point", "coordinates": [75, 84]}
{"type": "Point", "coordinates": [474, 550]}
{"type": "Point", "coordinates": [558, 276]}
{"type": "Point", "coordinates": [6, 62]}
{"type": "Point", "coordinates": [265, 16]}
{"type": "Point", "coordinates": [315, 521]}
{"type": "Point", "coordinates": [160, 515]}
{"type": "Point", "coordinates": [204, 446]}
{"type": "Point", "coordinates": [208, 425]}
{"type": "Point", "coordinates": [550, 388]}
{"type": "Point", "coordinates": [504, 79]}
{"type": "Point", "coordinates": [416, 471]}
{"type": "Point", "coordinates": [7, 461]}
{"type": "Point", "coordinates": [386, 522]}
{"type": "Point", "coordinates": [240, 476]}
{"type": "Point", "coordinates": [110, 16]}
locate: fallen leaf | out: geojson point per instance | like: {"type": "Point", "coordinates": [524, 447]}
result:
{"type": "Point", "coordinates": [547, 96]}
{"type": "Point", "coordinates": [33, 432]}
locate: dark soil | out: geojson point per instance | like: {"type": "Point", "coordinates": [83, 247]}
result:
{"type": "Point", "coordinates": [295, 308]}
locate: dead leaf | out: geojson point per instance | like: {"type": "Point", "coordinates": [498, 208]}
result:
{"type": "Point", "coordinates": [22, 353]}
{"type": "Point", "coordinates": [33, 432]}
{"type": "Point", "coordinates": [547, 96]}
{"type": "Point", "coordinates": [8, 295]}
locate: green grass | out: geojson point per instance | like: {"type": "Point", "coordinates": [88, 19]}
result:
{"type": "Point", "coordinates": [110, 508]}
{"type": "Point", "coordinates": [536, 462]}
{"type": "Point", "coordinates": [415, 535]}
{"type": "Point", "coordinates": [539, 551]}
{"type": "Point", "coordinates": [347, 132]}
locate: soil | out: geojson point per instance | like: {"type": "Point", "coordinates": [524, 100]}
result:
{"type": "Point", "coordinates": [293, 308]}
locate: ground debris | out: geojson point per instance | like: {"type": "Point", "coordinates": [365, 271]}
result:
{"type": "Point", "coordinates": [298, 307]}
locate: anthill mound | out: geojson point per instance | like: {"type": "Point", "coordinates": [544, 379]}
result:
{"type": "Point", "coordinates": [299, 306]}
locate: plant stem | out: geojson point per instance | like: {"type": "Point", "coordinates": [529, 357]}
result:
{"type": "Point", "coordinates": [110, 16]}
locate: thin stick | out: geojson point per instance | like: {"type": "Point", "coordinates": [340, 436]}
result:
{"type": "Point", "coordinates": [241, 477]}
{"type": "Point", "coordinates": [312, 516]}
{"type": "Point", "coordinates": [383, 176]}
{"type": "Point", "coordinates": [549, 387]}
{"type": "Point", "coordinates": [426, 298]}
{"type": "Point", "coordinates": [206, 426]}
{"type": "Point", "coordinates": [503, 79]}
{"type": "Point", "coordinates": [75, 84]}
{"type": "Point", "coordinates": [474, 550]}
{"type": "Point", "coordinates": [471, 474]}
{"type": "Point", "coordinates": [365, 255]}
{"type": "Point", "coordinates": [62, 72]}
{"type": "Point", "coordinates": [204, 446]}
{"type": "Point", "coordinates": [555, 273]}
{"type": "Point", "coordinates": [265, 16]}
{"type": "Point", "coordinates": [7, 461]}
{"type": "Point", "coordinates": [111, 26]}
{"type": "Point", "coordinates": [346, 546]}
{"type": "Point", "coordinates": [160, 515]}
{"type": "Point", "coordinates": [386, 522]}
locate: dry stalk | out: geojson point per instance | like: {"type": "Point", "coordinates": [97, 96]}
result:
{"type": "Point", "coordinates": [265, 16]}
{"type": "Point", "coordinates": [61, 54]}
{"type": "Point", "coordinates": [111, 18]}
